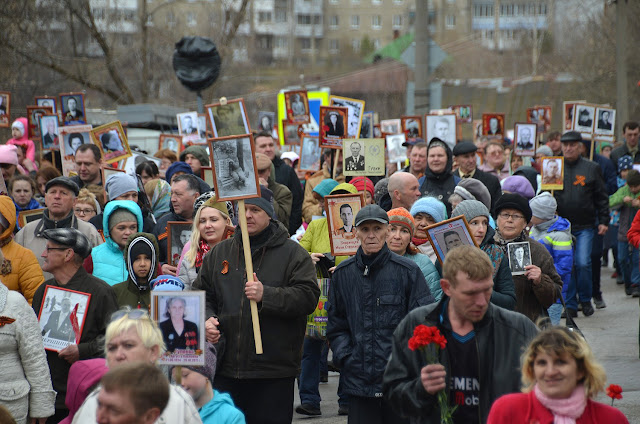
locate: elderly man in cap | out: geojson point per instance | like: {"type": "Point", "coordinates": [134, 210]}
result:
{"type": "Point", "coordinates": [59, 197]}
{"type": "Point", "coordinates": [282, 197]}
{"type": "Point", "coordinates": [465, 156]}
{"type": "Point", "coordinates": [285, 287]}
{"type": "Point", "coordinates": [369, 295]}
{"type": "Point", "coordinates": [65, 250]}
{"type": "Point", "coordinates": [584, 202]}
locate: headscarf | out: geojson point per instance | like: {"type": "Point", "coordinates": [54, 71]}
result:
{"type": "Point", "coordinates": [160, 199]}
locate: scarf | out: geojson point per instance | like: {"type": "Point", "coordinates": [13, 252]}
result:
{"type": "Point", "coordinates": [203, 248]}
{"type": "Point", "coordinates": [502, 243]}
{"type": "Point", "coordinates": [565, 411]}
{"type": "Point", "coordinates": [161, 199]}
{"type": "Point", "coordinates": [47, 223]}
{"type": "Point", "coordinates": [419, 241]}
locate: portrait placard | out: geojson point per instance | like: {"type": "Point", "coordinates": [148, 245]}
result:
{"type": "Point", "coordinates": [207, 175]}
{"type": "Point", "coordinates": [47, 101]}
{"type": "Point", "coordinates": [412, 126]}
{"type": "Point", "coordinates": [112, 141]}
{"type": "Point", "coordinates": [48, 125]}
{"type": "Point", "coordinates": [519, 257]}
{"type": "Point", "coordinates": [567, 113]}
{"type": "Point", "coordinates": [205, 131]}
{"type": "Point", "coordinates": [341, 212]}
{"type": "Point", "coordinates": [228, 119]}
{"type": "Point", "coordinates": [178, 234]}
{"type": "Point", "coordinates": [366, 129]}
{"type": "Point", "coordinates": [72, 105]}
{"type": "Point", "coordinates": [131, 163]}
{"type": "Point", "coordinates": [355, 110]}
{"type": "Point", "coordinates": [363, 156]}
{"type": "Point", "coordinates": [62, 315]}
{"type": "Point", "coordinates": [583, 118]}
{"type": "Point", "coordinates": [266, 121]}
{"type": "Point", "coordinates": [334, 126]}
{"type": "Point", "coordinates": [188, 126]}
{"type": "Point", "coordinates": [449, 234]}
{"type": "Point", "coordinates": [69, 139]}
{"type": "Point", "coordinates": [493, 124]}
{"type": "Point", "coordinates": [180, 317]}
{"type": "Point", "coordinates": [552, 173]}
{"type": "Point", "coordinates": [297, 107]}
{"type": "Point", "coordinates": [442, 126]}
{"type": "Point", "coordinates": [233, 160]}
{"type": "Point", "coordinates": [26, 216]}
{"type": "Point", "coordinates": [292, 133]}
{"type": "Point", "coordinates": [172, 142]}
{"type": "Point", "coordinates": [395, 150]}
{"type": "Point", "coordinates": [390, 126]}
{"type": "Point", "coordinates": [606, 121]}
{"type": "Point", "coordinates": [477, 130]}
{"type": "Point", "coordinates": [33, 118]}
{"type": "Point", "coordinates": [5, 109]}
{"type": "Point", "coordinates": [525, 139]}
{"type": "Point", "coordinates": [541, 116]}
{"type": "Point", "coordinates": [310, 154]}
{"type": "Point", "coordinates": [464, 113]}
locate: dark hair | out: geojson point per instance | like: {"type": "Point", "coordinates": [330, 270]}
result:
{"type": "Point", "coordinates": [49, 156]}
{"type": "Point", "coordinates": [262, 134]}
{"type": "Point", "coordinates": [192, 182]}
{"type": "Point", "coordinates": [633, 178]}
{"type": "Point", "coordinates": [448, 233]}
{"type": "Point", "coordinates": [97, 155]}
{"type": "Point", "coordinates": [554, 135]}
{"type": "Point", "coordinates": [149, 167]}
{"type": "Point", "coordinates": [48, 173]}
{"type": "Point", "coordinates": [21, 177]}
{"type": "Point", "coordinates": [346, 205]}
{"type": "Point", "coordinates": [75, 135]}
{"type": "Point", "coordinates": [632, 125]}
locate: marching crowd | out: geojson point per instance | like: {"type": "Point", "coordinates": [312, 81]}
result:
{"type": "Point", "coordinates": [508, 356]}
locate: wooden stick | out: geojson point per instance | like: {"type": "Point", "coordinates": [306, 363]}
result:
{"type": "Point", "coordinates": [178, 375]}
{"type": "Point", "coordinates": [248, 263]}
{"type": "Point", "coordinates": [335, 163]}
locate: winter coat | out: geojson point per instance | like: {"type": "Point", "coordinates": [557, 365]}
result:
{"type": "Point", "coordinates": [287, 176]}
{"type": "Point", "coordinates": [20, 270]}
{"type": "Point", "coordinates": [501, 337]}
{"type": "Point", "coordinates": [633, 234]}
{"type": "Point", "coordinates": [555, 235]}
{"type": "Point", "coordinates": [440, 185]}
{"type": "Point", "coordinates": [609, 174]}
{"type": "Point", "coordinates": [30, 236]}
{"type": "Point", "coordinates": [431, 274]}
{"type": "Point", "coordinates": [282, 199]}
{"type": "Point", "coordinates": [623, 150]}
{"type": "Point", "coordinates": [366, 303]}
{"type": "Point", "coordinates": [316, 239]}
{"type": "Point", "coordinates": [186, 272]}
{"type": "Point", "coordinates": [24, 141]}
{"type": "Point", "coordinates": [133, 292]}
{"type": "Point", "coordinates": [83, 377]}
{"type": "Point", "coordinates": [526, 408]}
{"type": "Point", "coordinates": [627, 212]}
{"type": "Point", "coordinates": [310, 206]}
{"type": "Point", "coordinates": [26, 382]}
{"type": "Point", "coordinates": [101, 305]}
{"type": "Point", "coordinates": [33, 204]}
{"type": "Point", "coordinates": [221, 410]}
{"type": "Point", "coordinates": [504, 292]}
{"type": "Point", "coordinates": [290, 294]}
{"type": "Point", "coordinates": [107, 260]}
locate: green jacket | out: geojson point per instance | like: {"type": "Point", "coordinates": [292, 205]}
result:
{"type": "Point", "coordinates": [133, 292]}
{"type": "Point", "coordinates": [282, 198]}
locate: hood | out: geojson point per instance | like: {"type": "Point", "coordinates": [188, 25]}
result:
{"type": "Point", "coordinates": [447, 170]}
{"type": "Point", "coordinates": [83, 375]}
{"type": "Point", "coordinates": [113, 206]}
{"type": "Point", "coordinates": [8, 211]}
{"type": "Point", "coordinates": [561, 224]}
{"type": "Point", "coordinates": [488, 238]}
{"type": "Point", "coordinates": [212, 410]}
{"type": "Point", "coordinates": [25, 134]}
{"type": "Point", "coordinates": [149, 240]}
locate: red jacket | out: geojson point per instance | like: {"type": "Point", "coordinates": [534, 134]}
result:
{"type": "Point", "coordinates": [633, 235]}
{"type": "Point", "coordinates": [525, 408]}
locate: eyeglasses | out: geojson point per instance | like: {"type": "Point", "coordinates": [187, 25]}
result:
{"type": "Point", "coordinates": [84, 211]}
{"type": "Point", "coordinates": [131, 313]}
{"type": "Point", "coordinates": [504, 215]}
{"type": "Point", "coordinates": [55, 248]}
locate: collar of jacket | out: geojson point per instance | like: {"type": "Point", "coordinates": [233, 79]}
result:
{"type": "Point", "coordinates": [378, 262]}
{"type": "Point", "coordinates": [47, 223]}
{"type": "Point", "coordinates": [437, 315]}
{"type": "Point", "coordinates": [269, 237]}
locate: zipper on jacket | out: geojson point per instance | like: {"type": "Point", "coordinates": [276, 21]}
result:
{"type": "Point", "coordinates": [366, 270]}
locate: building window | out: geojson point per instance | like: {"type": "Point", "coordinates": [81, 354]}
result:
{"type": "Point", "coordinates": [305, 44]}
{"type": "Point", "coordinates": [304, 19]}
{"type": "Point", "coordinates": [191, 19]}
{"type": "Point", "coordinates": [282, 43]}
{"type": "Point", "coordinates": [355, 21]}
{"type": "Point", "coordinates": [334, 46]}
{"type": "Point", "coordinates": [317, 19]}
{"type": "Point", "coordinates": [264, 17]}
{"type": "Point", "coordinates": [281, 16]}
{"type": "Point", "coordinates": [334, 21]}
{"type": "Point", "coordinates": [450, 21]}
{"type": "Point", "coordinates": [171, 19]}
{"type": "Point", "coordinates": [376, 44]}
{"type": "Point", "coordinates": [355, 45]}
{"type": "Point", "coordinates": [376, 2]}
{"type": "Point", "coordinates": [397, 21]}
{"type": "Point", "coordinates": [376, 22]}
{"type": "Point", "coordinates": [542, 9]}
{"type": "Point", "coordinates": [150, 20]}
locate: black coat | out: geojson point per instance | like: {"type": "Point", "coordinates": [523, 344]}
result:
{"type": "Point", "coordinates": [287, 176]}
{"type": "Point", "coordinates": [440, 185]}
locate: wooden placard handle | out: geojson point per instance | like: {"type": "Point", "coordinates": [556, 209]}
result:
{"type": "Point", "coordinates": [248, 263]}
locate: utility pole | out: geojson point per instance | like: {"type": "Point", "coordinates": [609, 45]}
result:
{"type": "Point", "coordinates": [421, 72]}
{"type": "Point", "coordinates": [622, 103]}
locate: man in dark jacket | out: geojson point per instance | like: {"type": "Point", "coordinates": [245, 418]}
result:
{"type": "Point", "coordinates": [631, 133]}
{"type": "Point", "coordinates": [438, 181]}
{"type": "Point", "coordinates": [481, 360]}
{"type": "Point", "coordinates": [584, 202]}
{"type": "Point", "coordinates": [66, 249]}
{"type": "Point", "coordinates": [369, 295]}
{"type": "Point", "coordinates": [284, 286]}
{"type": "Point", "coordinates": [465, 155]}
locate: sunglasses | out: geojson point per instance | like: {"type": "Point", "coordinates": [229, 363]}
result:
{"type": "Point", "coordinates": [131, 313]}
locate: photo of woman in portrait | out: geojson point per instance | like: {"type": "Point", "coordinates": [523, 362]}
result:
{"type": "Point", "coordinates": [75, 140]}
{"type": "Point", "coordinates": [177, 332]}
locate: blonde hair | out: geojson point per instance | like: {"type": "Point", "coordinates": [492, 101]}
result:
{"type": "Point", "coordinates": [469, 260]}
{"type": "Point", "coordinates": [559, 340]}
{"type": "Point", "coordinates": [146, 328]}
{"type": "Point", "coordinates": [88, 198]}
{"type": "Point", "coordinates": [190, 256]}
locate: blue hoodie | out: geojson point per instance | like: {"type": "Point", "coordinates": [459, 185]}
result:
{"type": "Point", "coordinates": [221, 410]}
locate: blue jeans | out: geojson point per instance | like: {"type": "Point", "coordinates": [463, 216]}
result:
{"type": "Point", "coordinates": [581, 282]}
{"type": "Point", "coordinates": [628, 258]}
{"type": "Point", "coordinates": [313, 351]}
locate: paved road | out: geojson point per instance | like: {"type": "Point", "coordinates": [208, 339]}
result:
{"type": "Point", "coordinates": [611, 332]}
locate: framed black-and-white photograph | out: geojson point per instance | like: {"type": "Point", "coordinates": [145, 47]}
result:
{"type": "Point", "coordinates": [525, 139]}
{"type": "Point", "coordinates": [395, 150]}
{"type": "Point", "coordinates": [47, 101]}
{"type": "Point", "coordinates": [62, 315]}
{"type": "Point", "coordinates": [442, 126]}
{"type": "Point", "coordinates": [583, 118]}
{"type": "Point", "coordinates": [204, 129]}
{"type": "Point", "coordinates": [493, 124]}
{"type": "Point", "coordinates": [366, 129]}
{"type": "Point", "coordinates": [390, 126]}
{"type": "Point", "coordinates": [449, 234]}
{"type": "Point", "coordinates": [334, 121]}
{"type": "Point", "coordinates": [178, 234]}
{"type": "Point", "coordinates": [172, 142]}
{"type": "Point", "coordinates": [234, 162]}
{"type": "Point", "coordinates": [108, 171]}
{"type": "Point", "coordinates": [33, 118]}
{"type": "Point", "coordinates": [5, 109]}
{"type": "Point", "coordinates": [297, 107]}
{"type": "Point", "coordinates": [207, 175]}
{"type": "Point", "coordinates": [310, 154]}
{"type": "Point", "coordinates": [73, 112]}
{"type": "Point", "coordinates": [464, 113]}
{"type": "Point", "coordinates": [112, 141]}
{"type": "Point", "coordinates": [188, 126]}
{"type": "Point", "coordinates": [412, 126]}
{"type": "Point", "coordinates": [228, 119]}
{"type": "Point", "coordinates": [519, 257]}
{"type": "Point", "coordinates": [131, 163]}
{"type": "Point", "coordinates": [363, 157]}
{"type": "Point", "coordinates": [49, 132]}
{"type": "Point", "coordinates": [180, 317]}
{"type": "Point", "coordinates": [355, 110]}
{"type": "Point", "coordinates": [567, 113]}
{"type": "Point", "coordinates": [291, 132]}
{"type": "Point", "coordinates": [606, 121]}
{"type": "Point", "coordinates": [69, 139]}
{"type": "Point", "coordinates": [341, 210]}
{"type": "Point", "coordinates": [266, 121]}
{"type": "Point", "coordinates": [26, 216]}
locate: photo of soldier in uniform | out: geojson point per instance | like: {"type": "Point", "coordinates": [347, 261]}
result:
{"type": "Point", "coordinates": [341, 211]}
{"type": "Point", "coordinates": [235, 169]}
{"type": "Point", "coordinates": [62, 316]}
{"type": "Point", "coordinates": [228, 119]}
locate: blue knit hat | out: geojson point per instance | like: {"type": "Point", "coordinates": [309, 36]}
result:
{"type": "Point", "coordinates": [167, 283]}
{"type": "Point", "coordinates": [177, 167]}
{"type": "Point", "coordinates": [625, 162]}
{"type": "Point", "coordinates": [431, 206]}
{"type": "Point", "coordinates": [325, 186]}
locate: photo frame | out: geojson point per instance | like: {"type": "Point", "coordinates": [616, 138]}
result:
{"type": "Point", "coordinates": [334, 120]}
{"type": "Point", "coordinates": [442, 236]}
{"type": "Point", "coordinates": [47, 101]}
{"type": "Point", "coordinates": [69, 139]}
{"type": "Point", "coordinates": [205, 131]}
{"type": "Point", "coordinates": [355, 110]}
{"type": "Point", "coordinates": [541, 116]}
{"type": "Point", "coordinates": [396, 151]}
{"type": "Point", "coordinates": [525, 136]}
{"type": "Point", "coordinates": [412, 126]}
{"type": "Point", "coordinates": [107, 171]}
{"type": "Point", "coordinates": [493, 124]}
{"type": "Point", "coordinates": [567, 113]}
{"type": "Point", "coordinates": [266, 121]}
{"type": "Point", "coordinates": [477, 130]}
{"type": "Point", "coordinates": [363, 157]}
{"type": "Point", "coordinates": [584, 118]}
{"type": "Point", "coordinates": [519, 257]}
{"type": "Point", "coordinates": [552, 173]}
{"type": "Point", "coordinates": [5, 109]}
{"type": "Point", "coordinates": [228, 119]}
{"type": "Point", "coordinates": [62, 316]}
{"type": "Point", "coordinates": [605, 121]}
{"type": "Point", "coordinates": [188, 126]}
{"type": "Point", "coordinates": [189, 308]}
{"type": "Point", "coordinates": [310, 154]}
{"type": "Point", "coordinates": [366, 129]}
{"type": "Point", "coordinates": [442, 126]}
{"type": "Point", "coordinates": [112, 141]}
{"type": "Point", "coordinates": [341, 210]}
{"type": "Point", "coordinates": [292, 133]}
{"type": "Point", "coordinates": [297, 107]}
{"type": "Point", "coordinates": [172, 142]}
{"type": "Point", "coordinates": [130, 164]}
{"type": "Point", "coordinates": [390, 126]}
{"type": "Point", "coordinates": [178, 234]}
{"type": "Point", "coordinates": [464, 113]}
{"type": "Point", "coordinates": [48, 128]}
{"type": "Point", "coordinates": [25, 217]}
{"type": "Point", "coordinates": [33, 118]}
{"type": "Point", "coordinates": [234, 162]}
{"type": "Point", "coordinates": [207, 175]}
{"type": "Point", "coordinates": [72, 107]}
